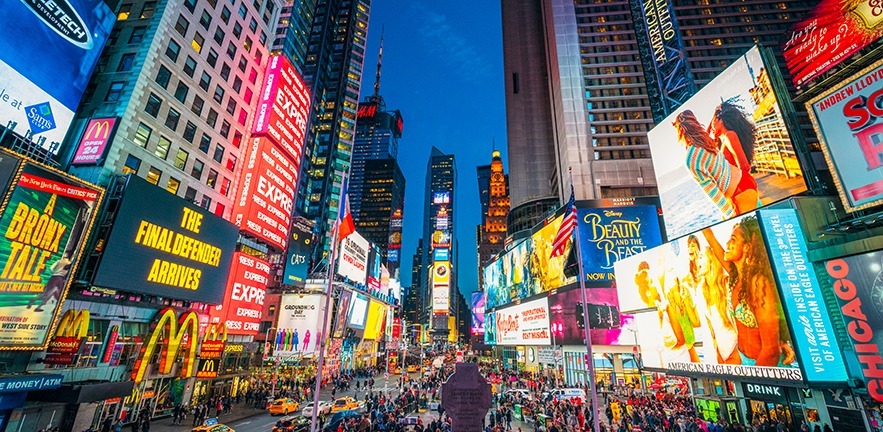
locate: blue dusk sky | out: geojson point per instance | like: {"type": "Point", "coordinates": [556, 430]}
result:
{"type": "Point", "coordinates": [443, 68]}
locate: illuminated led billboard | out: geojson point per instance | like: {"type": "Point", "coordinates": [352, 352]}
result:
{"type": "Point", "coordinates": [283, 107]}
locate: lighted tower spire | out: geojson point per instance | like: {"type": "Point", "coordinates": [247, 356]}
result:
{"type": "Point", "coordinates": [379, 64]}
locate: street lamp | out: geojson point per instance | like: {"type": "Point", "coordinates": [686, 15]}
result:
{"type": "Point", "coordinates": [636, 356]}
{"type": "Point", "coordinates": [557, 330]}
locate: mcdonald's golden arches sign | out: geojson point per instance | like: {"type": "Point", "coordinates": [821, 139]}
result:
{"type": "Point", "coordinates": [96, 138]}
{"type": "Point", "coordinates": [168, 334]}
{"type": "Point", "coordinates": [69, 336]}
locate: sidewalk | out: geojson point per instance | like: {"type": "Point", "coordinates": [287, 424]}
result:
{"type": "Point", "coordinates": [238, 412]}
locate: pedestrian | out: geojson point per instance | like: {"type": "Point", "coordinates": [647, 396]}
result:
{"type": "Point", "coordinates": [106, 424]}
{"type": "Point", "coordinates": [145, 426]}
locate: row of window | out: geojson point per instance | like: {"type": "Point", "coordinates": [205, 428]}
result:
{"type": "Point", "coordinates": [154, 175]}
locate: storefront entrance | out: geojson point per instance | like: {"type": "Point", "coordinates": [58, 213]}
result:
{"type": "Point", "coordinates": [776, 403]}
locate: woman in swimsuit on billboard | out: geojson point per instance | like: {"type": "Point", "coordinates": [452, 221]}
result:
{"type": "Point", "coordinates": [736, 135]}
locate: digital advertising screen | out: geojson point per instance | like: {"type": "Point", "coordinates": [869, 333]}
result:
{"type": "Point", "coordinates": [342, 317]}
{"type": "Point", "coordinates": [358, 311]}
{"type": "Point", "coordinates": [45, 222]}
{"type": "Point", "coordinates": [847, 120]}
{"type": "Point", "coordinates": [282, 108]}
{"type": "Point", "coordinates": [524, 324]}
{"type": "Point", "coordinates": [606, 325]}
{"type": "Point", "coordinates": [165, 246]}
{"type": "Point", "coordinates": [299, 325]}
{"type": "Point", "coordinates": [441, 287]}
{"type": "Point", "coordinates": [857, 282]}
{"type": "Point", "coordinates": [353, 262]}
{"type": "Point", "coordinates": [726, 151]}
{"type": "Point", "coordinates": [833, 32]}
{"type": "Point", "coordinates": [266, 193]}
{"type": "Point", "coordinates": [479, 299]}
{"type": "Point", "coordinates": [609, 234]}
{"type": "Point", "coordinates": [709, 303]}
{"type": "Point", "coordinates": [47, 54]}
{"type": "Point", "coordinates": [545, 273]}
{"type": "Point", "coordinates": [300, 247]}
{"type": "Point", "coordinates": [94, 143]}
{"type": "Point", "coordinates": [243, 305]}
{"type": "Point", "coordinates": [490, 328]}
{"type": "Point", "coordinates": [375, 322]}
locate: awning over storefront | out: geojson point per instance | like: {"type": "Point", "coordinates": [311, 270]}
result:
{"type": "Point", "coordinates": [86, 391]}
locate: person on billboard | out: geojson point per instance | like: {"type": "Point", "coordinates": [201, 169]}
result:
{"type": "Point", "coordinates": [718, 315]}
{"type": "Point", "coordinates": [306, 340]}
{"type": "Point", "coordinates": [295, 340]}
{"type": "Point", "coordinates": [736, 134]}
{"type": "Point", "coordinates": [55, 285]}
{"type": "Point", "coordinates": [760, 323]}
{"type": "Point", "coordinates": [717, 178]}
{"type": "Point", "coordinates": [675, 346]}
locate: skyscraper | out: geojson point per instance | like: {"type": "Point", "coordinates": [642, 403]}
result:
{"type": "Point", "coordinates": [438, 227]}
{"type": "Point", "coordinates": [383, 192]}
{"type": "Point", "coordinates": [496, 196]}
{"type": "Point", "coordinates": [180, 79]}
{"type": "Point", "coordinates": [293, 31]}
{"type": "Point", "coordinates": [333, 71]}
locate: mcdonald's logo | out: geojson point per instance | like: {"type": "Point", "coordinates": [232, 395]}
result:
{"type": "Point", "coordinates": [171, 329]}
{"type": "Point", "coordinates": [208, 368]}
{"type": "Point", "coordinates": [69, 336]}
{"type": "Point", "coordinates": [74, 323]}
{"type": "Point", "coordinates": [99, 129]}
{"type": "Point", "coordinates": [98, 134]}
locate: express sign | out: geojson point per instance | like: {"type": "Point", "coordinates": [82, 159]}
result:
{"type": "Point", "coordinates": [283, 107]}
{"type": "Point", "coordinates": [244, 300]}
{"type": "Point", "coordinates": [266, 193]}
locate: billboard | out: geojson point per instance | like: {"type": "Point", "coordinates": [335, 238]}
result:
{"type": "Point", "coordinates": [606, 325]}
{"type": "Point", "coordinates": [441, 287]}
{"type": "Point", "coordinates": [266, 193]}
{"type": "Point", "coordinates": [375, 269]}
{"type": "Point", "coordinates": [47, 53]}
{"type": "Point", "coordinates": [479, 299]}
{"type": "Point", "coordinates": [300, 247]}
{"type": "Point", "coordinates": [94, 143]}
{"type": "Point", "coordinates": [9, 163]}
{"type": "Point", "coordinates": [73, 327]}
{"type": "Point", "coordinates": [443, 197]}
{"type": "Point", "coordinates": [857, 282]}
{"type": "Point", "coordinates": [708, 303]}
{"type": "Point", "coordinates": [524, 324]}
{"type": "Point", "coordinates": [299, 326]}
{"type": "Point", "coordinates": [607, 235]}
{"type": "Point", "coordinates": [353, 262]}
{"type": "Point", "coordinates": [490, 328]}
{"type": "Point", "coordinates": [342, 317]}
{"type": "Point", "coordinates": [533, 258]}
{"type": "Point", "coordinates": [375, 321]}
{"type": "Point", "coordinates": [282, 108]}
{"type": "Point", "coordinates": [45, 221]}
{"type": "Point", "coordinates": [834, 31]}
{"type": "Point", "coordinates": [847, 120]}
{"type": "Point", "coordinates": [165, 246]}
{"type": "Point", "coordinates": [726, 151]}
{"type": "Point", "coordinates": [358, 311]}
{"type": "Point", "coordinates": [243, 304]}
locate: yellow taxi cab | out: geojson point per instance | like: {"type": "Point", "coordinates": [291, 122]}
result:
{"type": "Point", "coordinates": [283, 406]}
{"type": "Point", "coordinates": [398, 370]}
{"type": "Point", "coordinates": [345, 403]}
{"type": "Point", "coordinates": [412, 368]}
{"type": "Point", "coordinates": [210, 426]}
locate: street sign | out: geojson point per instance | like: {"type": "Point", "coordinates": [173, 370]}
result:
{"type": "Point", "coordinates": [466, 398]}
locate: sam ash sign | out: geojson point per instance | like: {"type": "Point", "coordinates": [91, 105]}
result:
{"type": "Point", "coordinates": [610, 234]}
{"type": "Point", "coordinates": [524, 324]}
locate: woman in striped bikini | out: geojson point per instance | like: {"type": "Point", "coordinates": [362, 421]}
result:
{"type": "Point", "coordinates": [717, 177]}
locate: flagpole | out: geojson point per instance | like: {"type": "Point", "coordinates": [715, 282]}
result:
{"type": "Point", "coordinates": [329, 291]}
{"type": "Point", "coordinates": [590, 364]}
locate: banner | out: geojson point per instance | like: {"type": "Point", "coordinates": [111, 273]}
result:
{"type": "Point", "coordinates": [847, 120]}
{"type": "Point", "coordinates": [353, 262]}
{"type": "Point", "coordinates": [833, 32]}
{"type": "Point", "coordinates": [342, 317]}
{"type": "Point", "coordinates": [282, 108]}
{"type": "Point", "coordinates": [165, 246]}
{"type": "Point", "coordinates": [726, 151]}
{"type": "Point", "coordinates": [45, 222]}
{"type": "Point", "coordinates": [243, 306]}
{"type": "Point", "coordinates": [609, 234]}
{"type": "Point", "coordinates": [95, 141]}
{"type": "Point", "coordinates": [300, 247]}
{"type": "Point", "coordinates": [524, 324]}
{"type": "Point", "coordinates": [299, 326]}
{"type": "Point", "coordinates": [479, 300]}
{"type": "Point", "coordinates": [441, 287]}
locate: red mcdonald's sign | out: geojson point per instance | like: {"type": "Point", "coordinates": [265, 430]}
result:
{"type": "Point", "coordinates": [95, 139]}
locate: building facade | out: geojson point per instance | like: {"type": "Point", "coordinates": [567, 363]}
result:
{"type": "Point", "coordinates": [383, 194]}
{"type": "Point", "coordinates": [491, 235]}
{"type": "Point", "coordinates": [439, 225]}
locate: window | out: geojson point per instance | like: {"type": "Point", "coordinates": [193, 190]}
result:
{"type": "Point", "coordinates": [181, 159]}
{"type": "Point", "coordinates": [253, 25]}
{"type": "Point", "coordinates": [237, 29]}
{"type": "Point", "coordinates": [212, 178]}
{"type": "Point", "coordinates": [243, 63]}
{"type": "Point", "coordinates": [126, 62]}
{"type": "Point", "coordinates": [205, 143]}
{"type": "Point", "coordinates": [132, 165]}
{"type": "Point", "coordinates": [114, 35]}
{"type": "Point", "coordinates": [205, 20]}
{"type": "Point", "coordinates": [196, 171]}
{"type": "Point", "coordinates": [242, 10]}
{"type": "Point", "coordinates": [114, 91]}
{"type": "Point", "coordinates": [247, 45]}
{"type": "Point", "coordinates": [231, 163]}
{"type": "Point", "coordinates": [147, 12]}
{"type": "Point", "coordinates": [243, 116]}
{"type": "Point", "coordinates": [212, 118]}
{"type": "Point", "coordinates": [253, 76]}
{"type": "Point", "coordinates": [205, 81]}
{"type": "Point", "coordinates": [182, 25]}
{"type": "Point", "coordinates": [258, 56]}
{"type": "Point", "coordinates": [142, 134]}
{"type": "Point", "coordinates": [225, 128]}
{"type": "Point", "coordinates": [137, 35]}
{"type": "Point", "coordinates": [237, 138]}
{"type": "Point", "coordinates": [162, 148]}
{"type": "Point", "coordinates": [181, 92]}
{"type": "Point", "coordinates": [189, 132]}
{"type": "Point", "coordinates": [212, 59]}
{"type": "Point", "coordinates": [172, 50]}
{"type": "Point", "coordinates": [198, 42]}
{"type": "Point", "coordinates": [206, 202]}
{"type": "Point", "coordinates": [225, 186]}
{"type": "Point", "coordinates": [219, 35]}
{"type": "Point", "coordinates": [231, 50]}
{"type": "Point", "coordinates": [190, 5]}
{"type": "Point", "coordinates": [219, 153]}
{"type": "Point", "coordinates": [225, 15]}
{"type": "Point", "coordinates": [153, 175]}
{"type": "Point", "coordinates": [190, 194]}
{"type": "Point", "coordinates": [248, 95]}
{"type": "Point", "coordinates": [172, 119]}
{"type": "Point", "coordinates": [162, 76]}
{"type": "Point", "coordinates": [219, 94]}
{"type": "Point", "coordinates": [198, 103]}
{"type": "Point", "coordinates": [124, 12]}
{"type": "Point", "coordinates": [231, 106]}
{"type": "Point", "coordinates": [173, 185]}
{"type": "Point", "coordinates": [153, 105]}
{"type": "Point", "coordinates": [263, 38]}
{"type": "Point", "coordinates": [225, 71]}
{"type": "Point", "coordinates": [190, 66]}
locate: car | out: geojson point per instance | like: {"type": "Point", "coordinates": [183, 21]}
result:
{"type": "Point", "coordinates": [567, 394]}
{"type": "Point", "coordinates": [283, 406]}
{"type": "Point", "coordinates": [324, 408]}
{"type": "Point", "coordinates": [519, 394]}
{"type": "Point", "coordinates": [345, 403]}
{"type": "Point", "coordinates": [292, 424]}
{"type": "Point", "coordinates": [412, 368]}
{"type": "Point", "coordinates": [212, 425]}
{"type": "Point", "coordinates": [398, 370]}
{"type": "Point", "coordinates": [337, 418]}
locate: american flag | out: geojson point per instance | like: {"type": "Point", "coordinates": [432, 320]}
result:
{"type": "Point", "coordinates": [559, 245]}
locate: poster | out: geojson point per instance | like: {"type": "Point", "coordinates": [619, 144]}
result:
{"type": "Point", "coordinates": [299, 326]}
{"type": "Point", "coordinates": [524, 324]}
{"type": "Point", "coordinates": [609, 234]}
{"type": "Point", "coordinates": [243, 306]}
